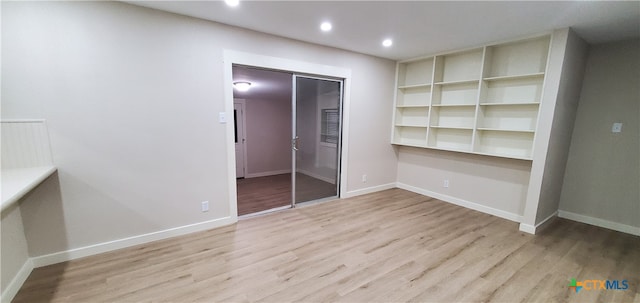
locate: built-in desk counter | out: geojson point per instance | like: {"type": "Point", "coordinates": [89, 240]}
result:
{"type": "Point", "coordinates": [17, 182]}
{"type": "Point", "coordinates": [26, 158]}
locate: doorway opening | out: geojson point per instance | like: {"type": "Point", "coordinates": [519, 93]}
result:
{"type": "Point", "coordinates": [288, 139]}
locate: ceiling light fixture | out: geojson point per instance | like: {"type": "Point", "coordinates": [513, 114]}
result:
{"type": "Point", "coordinates": [232, 3]}
{"type": "Point", "coordinates": [242, 86]}
{"type": "Point", "coordinates": [326, 26]}
{"type": "Point", "coordinates": [387, 42]}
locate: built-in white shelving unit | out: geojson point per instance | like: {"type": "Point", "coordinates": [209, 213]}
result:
{"type": "Point", "coordinates": [484, 100]}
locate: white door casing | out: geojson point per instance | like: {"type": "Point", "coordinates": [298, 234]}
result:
{"type": "Point", "coordinates": [231, 57]}
{"type": "Point", "coordinates": [239, 123]}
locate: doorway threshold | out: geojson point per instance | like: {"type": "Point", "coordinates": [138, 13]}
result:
{"type": "Point", "coordinates": [317, 201]}
{"type": "Point", "coordinates": [264, 212]}
{"type": "Point", "coordinates": [281, 208]}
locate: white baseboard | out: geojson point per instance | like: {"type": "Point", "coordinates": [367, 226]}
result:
{"type": "Point", "coordinates": [528, 228]}
{"type": "Point", "coordinates": [316, 176]}
{"type": "Point", "coordinates": [16, 283]}
{"type": "Point", "coordinates": [368, 190]}
{"type": "Point", "coordinates": [127, 242]}
{"type": "Point", "coordinates": [464, 203]}
{"type": "Point", "coordinates": [267, 173]}
{"type": "Point", "coordinates": [600, 222]}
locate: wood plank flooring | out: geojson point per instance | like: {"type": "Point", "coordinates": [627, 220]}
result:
{"type": "Point", "coordinates": [391, 246]}
{"type": "Point", "coordinates": [264, 193]}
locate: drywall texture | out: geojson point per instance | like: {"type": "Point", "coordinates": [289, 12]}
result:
{"type": "Point", "coordinates": [564, 114]}
{"type": "Point", "coordinates": [14, 252]}
{"type": "Point", "coordinates": [268, 131]}
{"type": "Point", "coordinates": [496, 183]}
{"type": "Point", "coordinates": [131, 97]}
{"type": "Point", "coordinates": [602, 178]}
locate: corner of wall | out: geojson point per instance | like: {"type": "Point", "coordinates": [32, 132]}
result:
{"type": "Point", "coordinates": [600, 186]}
{"type": "Point", "coordinates": [565, 72]}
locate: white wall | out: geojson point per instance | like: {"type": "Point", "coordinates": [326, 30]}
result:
{"type": "Point", "coordinates": [14, 254]}
{"type": "Point", "coordinates": [602, 180]}
{"type": "Point", "coordinates": [268, 134]}
{"type": "Point", "coordinates": [131, 97]}
{"type": "Point", "coordinates": [489, 184]}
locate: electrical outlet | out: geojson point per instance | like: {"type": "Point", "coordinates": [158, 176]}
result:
{"type": "Point", "coordinates": [445, 184]}
{"type": "Point", "coordinates": [205, 206]}
{"type": "Point", "coordinates": [364, 178]}
{"type": "Point", "coordinates": [616, 128]}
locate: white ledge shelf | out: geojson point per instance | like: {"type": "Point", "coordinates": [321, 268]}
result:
{"type": "Point", "coordinates": [506, 130]}
{"type": "Point", "coordinates": [409, 144]}
{"type": "Point", "coordinates": [457, 82]}
{"type": "Point", "coordinates": [412, 106]}
{"type": "Point", "coordinates": [515, 77]}
{"type": "Point", "coordinates": [414, 86]}
{"type": "Point", "coordinates": [17, 182]}
{"type": "Point", "coordinates": [411, 125]}
{"type": "Point", "coordinates": [468, 151]}
{"type": "Point", "coordinates": [509, 103]}
{"type": "Point", "coordinates": [451, 127]}
{"type": "Point", "coordinates": [453, 105]}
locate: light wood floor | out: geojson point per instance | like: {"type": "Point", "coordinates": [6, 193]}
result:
{"type": "Point", "coordinates": [388, 246]}
{"type": "Point", "coordinates": [264, 193]}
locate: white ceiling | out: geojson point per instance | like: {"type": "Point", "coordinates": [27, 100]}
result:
{"type": "Point", "coordinates": [417, 27]}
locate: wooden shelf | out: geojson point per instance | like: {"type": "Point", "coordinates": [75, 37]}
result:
{"type": "Point", "coordinates": [506, 130]}
{"type": "Point", "coordinates": [450, 138]}
{"type": "Point", "coordinates": [509, 103]}
{"type": "Point", "coordinates": [411, 125]}
{"type": "Point", "coordinates": [412, 106]}
{"type": "Point", "coordinates": [452, 105]}
{"type": "Point", "coordinates": [415, 86]}
{"type": "Point", "coordinates": [451, 127]}
{"type": "Point", "coordinates": [515, 77]}
{"type": "Point", "coordinates": [483, 101]}
{"type": "Point", "coordinates": [415, 73]}
{"type": "Point", "coordinates": [419, 95]}
{"type": "Point", "coordinates": [457, 82]}
{"type": "Point", "coordinates": [509, 156]}
{"type": "Point", "coordinates": [424, 145]}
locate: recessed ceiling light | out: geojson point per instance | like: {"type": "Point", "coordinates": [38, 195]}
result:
{"type": "Point", "coordinates": [387, 42]}
{"type": "Point", "coordinates": [326, 26]}
{"type": "Point", "coordinates": [242, 86]}
{"type": "Point", "coordinates": [232, 3]}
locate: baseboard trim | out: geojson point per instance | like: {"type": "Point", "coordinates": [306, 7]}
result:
{"type": "Point", "coordinates": [268, 173]}
{"type": "Point", "coordinates": [128, 242]}
{"type": "Point", "coordinates": [600, 222]}
{"type": "Point", "coordinates": [16, 283]}
{"type": "Point", "coordinates": [368, 190]}
{"type": "Point", "coordinates": [316, 176]}
{"type": "Point", "coordinates": [528, 228]}
{"type": "Point", "coordinates": [464, 203]}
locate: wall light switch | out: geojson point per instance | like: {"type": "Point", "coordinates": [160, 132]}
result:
{"type": "Point", "coordinates": [222, 117]}
{"type": "Point", "coordinates": [616, 128]}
